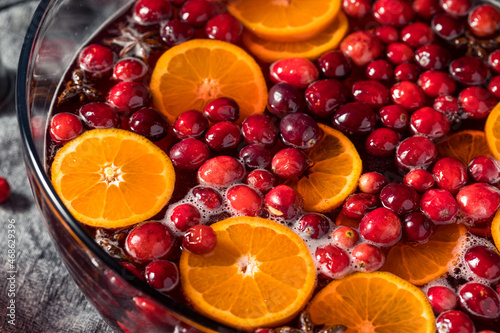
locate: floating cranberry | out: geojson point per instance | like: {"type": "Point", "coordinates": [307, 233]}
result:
{"type": "Point", "coordinates": [469, 70]}
{"type": "Point", "coordinates": [289, 163]}
{"type": "Point", "coordinates": [359, 204]}
{"type": "Point", "coordinates": [379, 70]}
{"type": "Point", "coordinates": [368, 257]}
{"type": "Point", "coordinates": [447, 104]}
{"type": "Point", "coordinates": [477, 102]}
{"type": "Point", "coordinates": [406, 71]}
{"type": "Point", "coordinates": [197, 12]}
{"type": "Point", "coordinates": [479, 300]}
{"type": "Point", "coordinates": [483, 262]}
{"type": "Point", "coordinates": [415, 152]}
{"type": "Point", "coordinates": [442, 298]}
{"type": "Point", "coordinates": [426, 9]}
{"type": "Point", "coordinates": [335, 65]}
{"type": "Point", "coordinates": [297, 72]}
{"type": "Point", "coordinates": [65, 127]}
{"type": "Point", "coordinates": [244, 200]}
{"type": "Point", "coordinates": [284, 99]}
{"type": "Point", "coordinates": [175, 32]}
{"type": "Point", "coordinates": [370, 92]}
{"type": "Point", "coordinates": [256, 156]}
{"type": "Point", "coordinates": [394, 117]}
{"type": "Point", "coordinates": [314, 225]}
{"type": "Point", "coordinates": [429, 122]}
{"type": "Point", "coordinates": [456, 7]}
{"type": "Point", "coordinates": [260, 128]}
{"type": "Point", "coordinates": [381, 226]}
{"type": "Point", "coordinates": [399, 198]}
{"type": "Point", "coordinates": [221, 171]}
{"type": "Point", "coordinates": [432, 57]}
{"type": "Point", "coordinates": [99, 115]}
{"type": "Point", "coordinates": [96, 59]}
{"type": "Point", "coordinates": [420, 180]}
{"type": "Point", "coordinates": [130, 69]}
{"type": "Point", "coordinates": [283, 201]}
{"type": "Point", "coordinates": [494, 61]}
{"type": "Point", "coordinates": [189, 154]}
{"type": "Point", "coordinates": [393, 12]}
{"type": "Point", "coordinates": [128, 97]}
{"type": "Point", "coordinates": [224, 27]}
{"type": "Point", "coordinates": [494, 86]}
{"type": "Point", "coordinates": [382, 142]}
{"type": "Point", "coordinates": [485, 169]}
{"type": "Point", "coordinates": [356, 8]}
{"type": "Point", "coordinates": [162, 275]}
{"type": "Point", "coordinates": [208, 197]}
{"type": "Point", "coordinates": [439, 206]}
{"type": "Point", "coordinates": [435, 83]}
{"type": "Point", "coordinates": [149, 123]}
{"type": "Point", "coordinates": [184, 216]}
{"type": "Point", "coordinates": [130, 268]}
{"type": "Point", "coordinates": [199, 239]}
{"type": "Point", "coordinates": [4, 190]}
{"type": "Point", "coordinates": [398, 53]}
{"type": "Point", "coordinates": [371, 182]}
{"type": "Point", "coordinates": [332, 260]}
{"type": "Point", "coordinates": [149, 12]}
{"type": "Point", "coordinates": [345, 237]}
{"type": "Point", "coordinates": [299, 130]}
{"type": "Point", "coordinates": [484, 20]}
{"type": "Point", "coordinates": [447, 26]}
{"type": "Point", "coordinates": [222, 109]}
{"type": "Point", "coordinates": [262, 180]}
{"type": "Point", "coordinates": [416, 228]}
{"type": "Point", "coordinates": [479, 201]}
{"type": "Point", "coordinates": [149, 241]}
{"type": "Point", "coordinates": [355, 118]}
{"type": "Point", "coordinates": [190, 124]}
{"type": "Point", "coordinates": [408, 95]}
{"type": "Point", "coordinates": [323, 97]}
{"type": "Point", "coordinates": [361, 47]}
{"type": "Point", "coordinates": [454, 321]}
{"type": "Point", "coordinates": [417, 34]}
{"type": "Point", "coordinates": [387, 34]}
{"type": "Point", "coordinates": [450, 174]}
{"type": "Point", "coordinates": [222, 136]}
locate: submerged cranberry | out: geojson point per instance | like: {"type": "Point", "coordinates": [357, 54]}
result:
{"type": "Point", "coordinates": [222, 109]}
{"type": "Point", "coordinates": [256, 156]}
{"type": "Point", "coordinates": [130, 69]}
{"type": "Point", "coordinates": [430, 123]}
{"type": "Point", "coordinates": [382, 142]}
{"type": "Point", "coordinates": [297, 72]}
{"type": "Point", "coordinates": [387, 34]}
{"type": "Point", "coordinates": [355, 118]}
{"type": "Point", "coordinates": [398, 53]}
{"type": "Point", "coordinates": [426, 9]}
{"type": "Point", "coordinates": [479, 300]}
{"type": "Point", "coordinates": [96, 59]}
{"type": "Point", "coordinates": [469, 70]}
{"type": "Point", "coordinates": [417, 34]}
{"type": "Point", "coordinates": [65, 127]}
{"type": "Point", "coordinates": [477, 102]}
{"type": "Point", "coordinates": [485, 169]}
{"type": "Point", "coordinates": [289, 163]}
{"type": "Point", "coordinates": [333, 261]}
{"type": "Point", "coordinates": [284, 99]}
{"type": "Point", "coordinates": [494, 61]}
{"type": "Point", "coordinates": [416, 227]}
{"type": "Point", "coordinates": [99, 115]}
{"type": "Point", "coordinates": [260, 128]}
{"type": "Point", "coordinates": [494, 86]}
{"type": "Point", "coordinates": [408, 95]}
{"type": "Point", "coordinates": [484, 20]}
{"type": "Point", "coordinates": [406, 71]}
{"type": "Point", "coordinates": [415, 152]}
{"type": "Point", "coordinates": [439, 206]}
{"type": "Point", "coordinates": [175, 32]}
{"type": "Point", "coordinates": [371, 182]}
{"type": "Point", "coordinates": [454, 321]}
{"type": "Point", "coordinates": [379, 70]}
{"type": "Point", "coordinates": [149, 123]}
{"type": "Point", "coordinates": [381, 226]}
{"type": "Point", "coordinates": [162, 275]}
{"type": "Point", "coordinates": [190, 124]}
{"type": "Point", "coordinates": [448, 105]}
{"type": "Point", "coordinates": [189, 154]}
{"type": "Point", "coordinates": [456, 7]}
{"type": "Point", "coordinates": [442, 298]}
{"type": "Point", "coordinates": [283, 201]}
{"type": "Point", "coordinates": [394, 117]}
{"type": "Point", "coordinates": [399, 198]}
{"type": "Point", "coordinates": [432, 57]}
{"type": "Point", "coordinates": [345, 237]}
{"type": "Point", "coordinates": [450, 174]}
{"type": "Point", "coordinates": [314, 225]}
{"type": "Point", "coordinates": [479, 202]}
{"type": "Point", "coordinates": [368, 257]}
{"type": "Point", "coordinates": [420, 180]}
{"type": "Point", "coordinates": [359, 204]}
{"type": "Point", "coordinates": [483, 262]}
{"type": "Point", "coordinates": [149, 241]}
{"type": "Point", "coordinates": [224, 27]}
{"type": "Point", "coordinates": [197, 12]}
{"type": "Point", "coordinates": [435, 83]}
{"type": "Point", "coordinates": [244, 200]}
{"type": "Point", "coordinates": [221, 171]}
{"type": "Point", "coordinates": [149, 12]}
{"type": "Point", "coordinates": [335, 65]}
{"type": "Point", "coordinates": [370, 92]}
{"type": "Point", "coordinates": [262, 180]}
{"type": "Point", "coordinates": [361, 47]}
{"type": "Point", "coordinates": [393, 12]}
{"type": "Point", "coordinates": [447, 26]}
{"type": "Point", "coordinates": [356, 8]}
{"type": "Point", "coordinates": [323, 97]}
{"type": "Point", "coordinates": [221, 136]}
{"type": "Point", "coordinates": [299, 130]}
{"type": "Point", "coordinates": [184, 216]}
{"type": "Point", "coordinates": [199, 239]}
{"type": "Point", "coordinates": [128, 97]}
{"type": "Point", "coordinates": [207, 197]}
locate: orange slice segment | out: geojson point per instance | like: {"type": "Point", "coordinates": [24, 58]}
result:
{"type": "Point", "coordinates": [112, 178]}
{"type": "Point", "coordinates": [261, 274]}
{"type": "Point", "coordinates": [333, 176]}
{"type": "Point", "coordinates": [422, 263]}
{"type": "Point", "coordinates": [373, 302]}
{"type": "Point", "coordinates": [492, 130]}
{"type": "Point", "coordinates": [285, 20]}
{"type": "Point", "coordinates": [495, 230]}
{"type": "Point", "coordinates": [313, 48]}
{"type": "Point", "coordinates": [192, 74]}
{"type": "Point", "coordinates": [464, 145]}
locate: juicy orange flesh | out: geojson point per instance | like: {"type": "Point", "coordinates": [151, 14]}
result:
{"type": "Point", "coordinates": [464, 145]}
{"type": "Point", "coordinates": [492, 129]}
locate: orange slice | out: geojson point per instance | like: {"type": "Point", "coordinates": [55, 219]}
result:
{"type": "Point", "coordinates": [261, 274]}
{"type": "Point", "coordinates": [313, 48]}
{"type": "Point", "coordinates": [492, 130]}
{"type": "Point", "coordinates": [495, 230]}
{"type": "Point", "coordinates": [464, 145]}
{"type": "Point", "coordinates": [422, 263]}
{"type": "Point", "coordinates": [285, 20]}
{"type": "Point", "coordinates": [112, 178]}
{"type": "Point", "coordinates": [192, 74]}
{"type": "Point", "coordinates": [333, 176]}
{"type": "Point", "coordinates": [373, 302]}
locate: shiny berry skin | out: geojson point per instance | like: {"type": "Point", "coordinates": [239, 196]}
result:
{"type": "Point", "coordinates": [184, 216]}
{"type": "Point", "coordinates": [96, 59]}
{"type": "Point", "coordinates": [381, 226]}
{"type": "Point", "coordinates": [420, 180]}
{"type": "Point", "coordinates": [244, 200]}
{"type": "Point", "coordinates": [435, 83]}
{"type": "Point", "coordinates": [149, 123]}
{"type": "Point", "coordinates": [262, 180]}
{"type": "Point", "coordinates": [416, 227]}
{"type": "Point", "coordinates": [447, 26]}
{"type": "Point", "coordinates": [430, 123]}
{"type": "Point", "coordinates": [477, 102]}
{"type": "Point", "coordinates": [130, 69]}
{"type": "Point", "coordinates": [222, 136]}
{"type": "Point", "coordinates": [256, 156]}
{"type": "Point", "coordinates": [400, 198]}
{"type": "Point", "coordinates": [332, 260]}
{"type": "Point", "coordinates": [370, 92]}
{"type": "Point", "coordinates": [199, 239]}
{"type": "Point", "coordinates": [65, 127]}
{"type": "Point", "coordinates": [149, 12]}
{"type": "Point", "coordinates": [454, 321]}
{"type": "Point", "coordinates": [397, 13]}
{"type": "Point", "coordinates": [221, 171]}
{"type": "Point", "coordinates": [284, 99]}
{"type": "Point", "coordinates": [283, 201]}
{"type": "Point", "coordinates": [394, 117]}
{"type": "Point", "coordinates": [99, 115]}
{"type": "Point", "coordinates": [175, 32]}
{"type": "Point", "coordinates": [207, 197]}
{"type": "Point", "coordinates": [415, 152]}
{"type": "Point", "coordinates": [485, 169]}
{"type": "Point", "coordinates": [335, 65]}
{"type": "Point", "coordinates": [314, 225]}
{"type": "Point", "coordinates": [450, 174]}
{"type": "Point", "coordinates": [4, 190]}
{"type": "Point", "coordinates": [483, 262]}
{"type": "Point", "coordinates": [356, 8]}
{"type": "Point", "coordinates": [456, 7]}
{"type": "Point", "coordinates": [398, 53]}
{"type": "Point", "coordinates": [494, 61]}
{"type": "Point", "coordinates": [379, 70]}
{"type": "Point", "coordinates": [189, 154]}
{"type": "Point", "coordinates": [224, 27]}
{"type": "Point", "coordinates": [432, 57]}
{"type": "Point", "coordinates": [297, 72]}
{"type": "Point", "coordinates": [128, 97]}
{"type": "Point", "coordinates": [479, 201]}
{"type": "Point", "coordinates": [442, 298]}
{"type": "Point", "coordinates": [387, 34]}
{"type": "Point", "coordinates": [382, 142]}
{"type": "Point", "coordinates": [484, 20]}
{"type": "Point", "coordinates": [162, 275]}
{"type": "Point", "coordinates": [371, 182]}
{"type": "Point", "coordinates": [289, 163]}
{"type": "Point", "coordinates": [447, 104]}
{"type": "Point", "coordinates": [479, 300]}
{"type": "Point", "coordinates": [323, 97]}
{"type": "Point", "coordinates": [222, 109]}
{"type": "Point", "coordinates": [149, 241]}
{"type": "Point", "coordinates": [354, 118]}
{"type": "Point", "coordinates": [299, 130]}
{"type": "Point", "coordinates": [426, 9]}
{"type": "Point", "coordinates": [260, 128]}
{"type": "Point", "coordinates": [494, 86]}
{"type": "Point", "coordinates": [361, 47]}
{"type": "Point", "coordinates": [439, 206]}
{"type": "Point", "coordinates": [406, 71]}
{"type": "Point", "coordinates": [417, 34]}
{"type": "Point", "coordinates": [359, 204]}
{"type": "Point", "coordinates": [197, 12]}
{"type": "Point", "coordinates": [408, 95]}
{"type": "Point", "coordinates": [190, 124]}
{"type": "Point", "coordinates": [345, 237]}
{"type": "Point", "coordinates": [469, 70]}
{"type": "Point", "coordinates": [368, 257]}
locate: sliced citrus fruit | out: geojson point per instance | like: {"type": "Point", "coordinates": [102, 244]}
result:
{"type": "Point", "coordinates": [112, 178]}
{"type": "Point", "coordinates": [312, 48]}
{"type": "Point", "coordinates": [422, 263]}
{"type": "Point", "coordinates": [333, 175]}
{"type": "Point", "coordinates": [495, 230]}
{"type": "Point", "coordinates": [285, 20]}
{"type": "Point", "coordinates": [191, 74]}
{"type": "Point", "coordinates": [373, 302]}
{"type": "Point", "coordinates": [261, 274]}
{"type": "Point", "coordinates": [492, 130]}
{"type": "Point", "coordinates": [464, 145]}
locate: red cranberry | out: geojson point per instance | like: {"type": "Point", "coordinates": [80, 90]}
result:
{"type": "Point", "coordinates": [149, 241]}
{"type": "Point", "coordinates": [199, 239]}
{"type": "Point", "coordinates": [289, 163]}
{"type": "Point", "coordinates": [4, 190]}
{"type": "Point", "coordinates": [299, 130]}
{"type": "Point", "coordinates": [387, 34]}
{"type": "Point", "coordinates": [359, 204]}
{"type": "Point", "coordinates": [406, 71]}
{"type": "Point", "coordinates": [221, 171]}
{"type": "Point", "coordinates": [207, 197]}
{"type": "Point", "coordinates": [128, 97]}
{"type": "Point", "coordinates": [494, 86]}
{"type": "Point", "coordinates": [450, 174]}
{"type": "Point", "coordinates": [381, 227]}
{"type": "Point", "coordinates": [485, 169]}
{"type": "Point", "coordinates": [415, 152]}
{"type": "Point", "coordinates": [368, 257]}
{"type": "Point", "coordinates": [356, 8]}
{"type": "Point", "coordinates": [420, 180]}
{"type": "Point", "coordinates": [479, 300]}
{"type": "Point", "coordinates": [260, 128]}
{"type": "Point", "coordinates": [456, 7]}
{"type": "Point", "coordinates": [284, 99]}
{"type": "Point", "coordinates": [416, 228]}
{"type": "Point", "coordinates": [99, 115]}
{"type": "Point", "coordinates": [398, 53]}
{"type": "Point", "coordinates": [355, 118]}
{"type": "Point", "coordinates": [96, 59]}
{"type": "Point", "coordinates": [382, 142]}
{"type": "Point", "coordinates": [447, 26]}
{"type": "Point", "coordinates": [335, 65]}
{"type": "Point", "coordinates": [371, 182]}
{"type": "Point", "coordinates": [130, 69]}
{"type": "Point", "coordinates": [399, 198]}
{"type": "Point", "coordinates": [262, 180]}
{"type": "Point", "coordinates": [314, 225]}
{"type": "Point", "coordinates": [323, 97]}
{"type": "Point", "coordinates": [477, 102]}
{"type": "Point", "coordinates": [494, 61]}
{"type": "Point", "coordinates": [256, 156]}
{"type": "Point", "coordinates": [432, 56]}
{"type": "Point", "coordinates": [222, 136]}
{"type": "Point", "coordinates": [361, 47]}
{"type": "Point", "coordinates": [333, 261]}
{"type": "Point", "coordinates": [372, 93]}
{"type": "Point", "coordinates": [162, 275]}
{"type": "Point", "coordinates": [297, 72]}
{"type": "Point", "coordinates": [244, 200]}
{"type": "Point", "coordinates": [417, 34]}
{"type": "Point", "coordinates": [435, 83]}
{"type": "Point", "coordinates": [190, 124]}
{"type": "Point", "coordinates": [439, 206]}
{"type": "Point", "coordinates": [149, 12]}
{"type": "Point", "coordinates": [479, 201]}
{"type": "Point", "coordinates": [65, 127]}
{"type": "Point", "coordinates": [189, 154]}
{"type": "Point", "coordinates": [393, 12]}
{"type": "Point", "coordinates": [484, 20]}
{"type": "Point", "coordinates": [345, 237]}
{"type": "Point", "coordinates": [429, 122]}
{"type": "Point", "coordinates": [175, 32]}
{"type": "Point", "coordinates": [149, 123]}
{"type": "Point", "coordinates": [447, 104]}
{"type": "Point", "coordinates": [379, 70]}
{"type": "Point", "coordinates": [197, 12]}
{"type": "Point", "coordinates": [408, 95]}
{"type": "Point", "coordinates": [426, 9]}
{"type": "Point", "coordinates": [129, 268]}
{"type": "Point", "coordinates": [454, 321]}
{"type": "Point", "coordinates": [394, 117]}
{"type": "Point", "coordinates": [224, 27]}
{"type": "Point", "coordinates": [184, 216]}
{"type": "Point", "coordinates": [483, 262]}
{"type": "Point", "coordinates": [469, 70]}
{"type": "Point", "coordinates": [442, 298]}
{"type": "Point", "coordinates": [284, 202]}
{"type": "Point", "coordinates": [222, 109]}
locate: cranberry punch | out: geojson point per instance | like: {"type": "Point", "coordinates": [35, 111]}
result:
{"type": "Point", "coordinates": [258, 173]}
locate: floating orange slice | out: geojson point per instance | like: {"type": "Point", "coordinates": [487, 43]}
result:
{"type": "Point", "coordinates": [422, 263]}
{"type": "Point", "coordinates": [373, 302]}
{"type": "Point", "coordinates": [495, 230]}
{"type": "Point", "coordinates": [190, 75]}
{"type": "Point", "coordinates": [333, 176]}
{"type": "Point", "coordinates": [313, 48]}
{"type": "Point", "coordinates": [112, 178]}
{"type": "Point", "coordinates": [261, 274]}
{"type": "Point", "coordinates": [285, 20]}
{"type": "Point", "coordinates": [464, 145]}
{"type": "Point", "coordinates": [492, 131]}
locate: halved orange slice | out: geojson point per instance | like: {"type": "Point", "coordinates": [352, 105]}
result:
{"type": "Point", "coordinates": [495, 230]}
{"type": "Point", "coordinates": [261, 274]}
{"type": "Point", "coordinates": [464, 146]}
{"type": "Point", "coordinates": [112, 178]}
{"type": "Point", "coordinates": [492, 131]}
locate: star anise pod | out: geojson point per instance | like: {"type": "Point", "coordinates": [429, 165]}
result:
{"type": "Point", "coordinates": [480, 48]}
{"type": "Point", "coordinates": [79, 88]}
{"type": "Point", "coordinates": [306, 326]}
{"type": "Point", "coordinates": [133, 42]}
